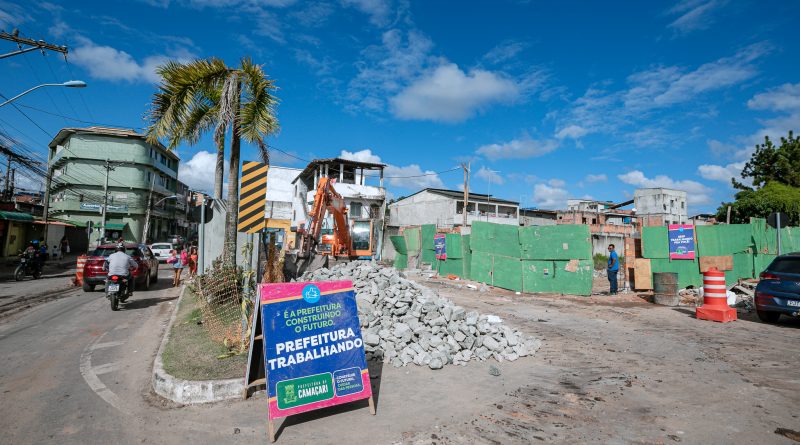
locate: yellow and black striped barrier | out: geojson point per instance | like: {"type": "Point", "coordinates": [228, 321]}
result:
{"type": "Point", "coordinates": [253, 197]}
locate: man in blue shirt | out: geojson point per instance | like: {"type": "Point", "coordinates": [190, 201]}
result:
{"type": "Point", "coordinates": [613, 268]}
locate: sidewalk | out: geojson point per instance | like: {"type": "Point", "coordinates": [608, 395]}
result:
{"type": "Point", "coordinates": [51, 266]}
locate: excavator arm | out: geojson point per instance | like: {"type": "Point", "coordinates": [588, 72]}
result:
{"type": "Point", "coordinates": [327, 199]}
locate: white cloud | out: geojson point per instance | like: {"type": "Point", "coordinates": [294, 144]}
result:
{"type": "Point", "coordinates": [504, 52]}
{"type": "Point", "coordinates": [572, 132]}
{"type": "Point", "coordinates": [490, 176]}
{"type": "Point", "coordinates": [378, 11]}
{"type": "Point", "coordinates": [411, 177]}
{"type": "Point", "coordinates": [694, 15]}
{"type": "Point", "coordinates": [596, 178]}
{"type": "Point", "coordinates": [518, 149]}
{"type": "Point", "coordinates": [559, 183]}
{"type": "Point", "coordinates": [449, 94]}
{"type": "Point", "coordinates": [360, 156]}
{"type": "Point", "coordinates": [721, 173]}
{"type": "Point", "coordinates": [783, 98]}
{"type": "Point", "coordinates": [696, 193]}
{"type": "Point", "coordinates": [12, 15]}
{"type": "Point", "coordinates": [107, 63]}
{"type": "Point", "coordinates": [550, 197]}
{"type": "Point", "coordinates": [198, 172]}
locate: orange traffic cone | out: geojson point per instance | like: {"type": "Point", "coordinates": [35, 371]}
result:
{"type": "Point", "coordinates": [715, 298]}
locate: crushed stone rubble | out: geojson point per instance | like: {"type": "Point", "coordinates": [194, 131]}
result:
{"type": "Point", "coordinates": [404, 322]}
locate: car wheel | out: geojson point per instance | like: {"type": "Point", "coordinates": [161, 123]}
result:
{"type": "Point", "coordinates": [155, 277]}
{"type": "Point", "coordinates": [768, 317]}
{"type": "Point", "coordinates": [88, 287]}
{"type": "Point", "coordinates": [147, 281]}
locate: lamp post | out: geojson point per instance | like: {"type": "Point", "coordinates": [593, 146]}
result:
{"type": "Point", "coordinates": [68, 84]}
{"type": "Point", "coordinates": [147, 218]}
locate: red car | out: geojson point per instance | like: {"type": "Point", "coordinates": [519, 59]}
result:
{"type": "Point", "coordinates": [145, 274]}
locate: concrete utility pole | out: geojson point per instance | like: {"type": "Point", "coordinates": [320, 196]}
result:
{"type": "Point", "coordinates": [8, 172]}
{"type": "Point", "coordinates": [105, 204]}
{"type": "Point", "coordinates": [149, 209]}
{"type": "Point", "coordinates": [201, 236]}
{"type": "Point", "coordinates": [466, 190]}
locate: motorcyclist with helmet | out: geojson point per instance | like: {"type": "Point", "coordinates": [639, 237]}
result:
{"type": "Point", "coordinates": [120, 263]}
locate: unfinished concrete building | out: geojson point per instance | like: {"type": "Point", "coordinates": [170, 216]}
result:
{"type": "Point", "coordinates": [445, 209]}
{"type": "Point", "coordinates": [608, 224]}
{"type": "Point", "coordinates": [660, 206]}
{"type": "Point", "coordinates": [361, 186]}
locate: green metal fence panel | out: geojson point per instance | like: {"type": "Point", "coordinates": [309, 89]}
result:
{"type": "Point", "coordinates": [538, 276]}
{"type": "Point", "coordinates": [428, 256]}
{"type": "Point", "coordinates": [455, 248]}
{"type": "Point", "coordinates": [399, 243]}
{"type": "Point", "coordinates": [574, 277]}
{"type": "Point", "coordinates": [401, 261]}
{"type": "Point", "coordinates": [412, 236]}
{"type": "Point", "coordinates": [507, 273]}
{"type": "Point", "coordinates": [427, 232]}
{"type": "Point", "coordinates": [557, 242]}
{"type": "Point", "coordinates": [467, 252]}
{"type": "Point", "coordinates": [655, 243]}
{"type": "Point", "coordinates": [688, 271]}
{"type": "Point", "coordinates": [760, 262]}
{"type": "Point", "coordinates": [743, 265]}
{"type": "Point", "coordinates": [451, 266]}
{"type": "Point", "coordinates": [725, 239]}
{"type": "Point", "coordinates": [481, 267]}
{"type": "Point", "coordinates": [500, 239]}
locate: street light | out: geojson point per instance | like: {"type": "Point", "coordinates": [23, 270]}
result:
{"type": "Point", "coordinates": [68, 84]}
{"type": "Point", "coordinates": [147, 216]}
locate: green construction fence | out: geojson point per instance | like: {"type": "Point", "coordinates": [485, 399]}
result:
{"type": "Point", "coordinates": [752, 246]}
{"type": "Point", "coordinates": [555, 259]}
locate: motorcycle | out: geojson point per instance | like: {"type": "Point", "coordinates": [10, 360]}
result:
{"type": "Point", "coordinates": [117, 290]}
{"type": "Point", "coordinates": [27, 266]}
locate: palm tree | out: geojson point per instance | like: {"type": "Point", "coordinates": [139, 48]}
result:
{"type": "Point", "coordinates": [202, 95]}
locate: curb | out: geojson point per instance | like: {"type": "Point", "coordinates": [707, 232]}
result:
{"type": "Point", "coordinates": [187, 392]}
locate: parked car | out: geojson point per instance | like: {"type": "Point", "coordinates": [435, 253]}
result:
{"type": "Point", "coordinates": [778, 291]}
{"type": "Point", "coordinates": [161, 251]}
{"type": "Point", "coordinates": [145, 274]}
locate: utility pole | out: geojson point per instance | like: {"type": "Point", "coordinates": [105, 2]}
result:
{"type": "Point", "coordinates": [105, 204]}
{"type": "Point", "coordinates": [201, 255]}
{"type": "Point", "coordinates": [149, 209]}
{"type": "Point", "coordinates": [33, 45]}
{"type": "Point", "coordinates": [6, 196]}
{"type": "Point", "coordinates": [466, 166]}
{"type": "Point", "coordinates": [13, 182]}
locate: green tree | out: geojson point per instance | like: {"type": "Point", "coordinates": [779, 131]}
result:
{"type": "Point", "coordinates": [773, 197]}
{"type": "Point", "coordinates": [196, 97]}
{"type": "Point", "coordinates": [770, 163]}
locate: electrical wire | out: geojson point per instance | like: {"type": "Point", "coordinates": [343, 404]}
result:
{"type": "Point", "coordinates": [39, 81]}
{"type": "Point", "coordinates": [80, 93]}
{"type": "Point", "coordinates": [55, 78]}
{"type": "Point", "coordinates": [80, 120]}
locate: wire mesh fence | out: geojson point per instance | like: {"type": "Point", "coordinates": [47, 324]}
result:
{"type": "Point", "coordinates": [226, 296]}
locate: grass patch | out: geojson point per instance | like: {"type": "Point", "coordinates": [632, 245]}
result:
{"type": "Point", "coordinates": [190, 354]}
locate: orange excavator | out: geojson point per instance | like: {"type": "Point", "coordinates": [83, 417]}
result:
{"type": "Point", "coordinates": [343, 243]}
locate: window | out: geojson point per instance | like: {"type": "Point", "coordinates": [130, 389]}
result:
{"type": "Point", "coordinates": [355, 209]}
{"type": "Point", "coordinates": [683, 204]}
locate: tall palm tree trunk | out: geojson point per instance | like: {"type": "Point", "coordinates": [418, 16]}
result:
{"type": "Point", "coordinates": [229, 253]}
{"type": "Point", "coordinates": [220, 168]}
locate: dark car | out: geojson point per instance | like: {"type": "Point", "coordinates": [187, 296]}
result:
{"type": "Point", "coordinates": [778, 291]}
{"type": "Point", "coordinates": [143, 275]}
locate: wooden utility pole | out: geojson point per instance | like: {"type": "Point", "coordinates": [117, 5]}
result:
{"type": "Point", "coordinates": [6, 196]}
{"type": "Point", "coordinates": [466, 166]}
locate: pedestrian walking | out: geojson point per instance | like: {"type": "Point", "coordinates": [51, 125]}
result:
{"type": "Point", "coordinates": [64, 247]}
{"type": "Point", "coordinates": [613, 268]}
{"type": "Point", "coordinates": [177, 266]}
{"type": "Point", "coordinates": [193, 261]}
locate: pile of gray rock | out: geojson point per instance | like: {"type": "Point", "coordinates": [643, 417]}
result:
{"type": "Point", "coordinates": [404, 322]}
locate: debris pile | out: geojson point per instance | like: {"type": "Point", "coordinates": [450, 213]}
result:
{"type": "Point", "coordinates": [690, 297]}
{"type": "Point", "coordinates": [745, 290]}
{"type": "Point", "coordinates": [404, 322]}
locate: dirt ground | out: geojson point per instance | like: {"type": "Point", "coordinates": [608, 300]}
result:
{"type": "Point", "coordinates": [621, 370]}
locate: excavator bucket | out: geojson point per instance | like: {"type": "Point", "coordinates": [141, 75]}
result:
{"type": "Point", "coordinates": [294, 265]}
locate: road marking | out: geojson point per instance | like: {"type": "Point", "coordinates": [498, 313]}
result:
{"type": "Point", "coordinates": [106, 368]}
{"type": "Point", "coordinates": [93, 381]}
{"type": "Point", "coordinates": [108, 344]}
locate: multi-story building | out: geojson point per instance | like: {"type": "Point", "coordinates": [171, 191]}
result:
{"type": "Point", "coordinates": [445, 208]}
{"type": "Point", "coordinates": [660, 206]}
{"type": "Point", "coordinates": [537, 217]}
{"type": "Point", "coordinates": [361, 187]}
{"type": "Point", "coordinates": [83, 159]}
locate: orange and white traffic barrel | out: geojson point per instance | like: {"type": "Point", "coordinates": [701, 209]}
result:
{"type": "Point", "coordinates": [715, 298]}
{"type": "Point", "coordinates": [79, 270]}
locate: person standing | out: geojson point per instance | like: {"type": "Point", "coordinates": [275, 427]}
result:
{"type": "Point", "coordinates": [177, 266]}
{"type": "Point", "coordinates": [193, 261]}
{"type": "Point", "coordinates": [613, 268]}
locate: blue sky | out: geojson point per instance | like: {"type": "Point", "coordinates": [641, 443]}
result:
{"type": "Point", "coordinates": [548, 100]}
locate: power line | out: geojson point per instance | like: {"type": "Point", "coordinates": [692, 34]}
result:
{"type": "Point", "coordinates": [55, 78]}
{"type": "Point", "coordinates": [76, 119]}
{"type": "Point", "coordinates": [80, 90]}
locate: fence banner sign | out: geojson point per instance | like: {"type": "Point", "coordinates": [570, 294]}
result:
{"type": "Point", "coordinates": [440, 246]}
{"type": "Point", "coordinates": [681, 241]}
{"type": "Point", "coordinates": [313, 351]}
